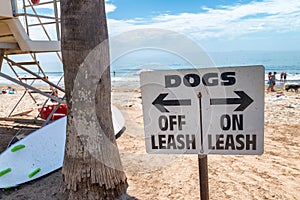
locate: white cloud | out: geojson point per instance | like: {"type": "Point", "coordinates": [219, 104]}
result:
{"type": "Point", "coordinates": [110, 7]}
{"type": "Point", "coordinates": [227, 21]}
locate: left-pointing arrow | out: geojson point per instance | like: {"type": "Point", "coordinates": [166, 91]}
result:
{"type": "Point", "coordinates": [160, 103]}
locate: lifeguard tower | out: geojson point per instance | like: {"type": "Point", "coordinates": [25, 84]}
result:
{"type": "Point", "coordinates": [20, 21]}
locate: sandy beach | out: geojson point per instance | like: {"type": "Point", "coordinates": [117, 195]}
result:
{"type": "Point", "coordinates": [273, 175]}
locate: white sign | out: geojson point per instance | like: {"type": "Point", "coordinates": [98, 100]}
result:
{"type": "Point", "coordinates": [204, 111]}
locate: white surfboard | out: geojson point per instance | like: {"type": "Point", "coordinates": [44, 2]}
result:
{"type": "Point", "coordinates": [41, 152]}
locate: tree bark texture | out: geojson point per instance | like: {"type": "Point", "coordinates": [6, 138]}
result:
{"type": "Point", "coordinates": [92, 167]}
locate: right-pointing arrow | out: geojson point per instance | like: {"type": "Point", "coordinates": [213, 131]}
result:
{"type": "Point", "coordinates": [244, 101]}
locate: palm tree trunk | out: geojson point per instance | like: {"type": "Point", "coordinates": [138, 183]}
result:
{"type": "Point", "coordinates": [92, 167]}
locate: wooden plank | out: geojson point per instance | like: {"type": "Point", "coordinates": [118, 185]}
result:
{"type": "Point", "coordinates": [9, 45]}
{"type": "Point", "coordinates": [28, 78]}
{"type": "Point", "coordinates": [25, 63]}
{"type": "Point", "coordinates": [45, 91]}
{"type": "Point", "coordinates": [22, 113]}
{"type": "Point", "coordinates": [23, 120]}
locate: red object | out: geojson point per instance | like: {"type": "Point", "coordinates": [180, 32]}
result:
{"type": "Point", "coordinates": [56, 116]}
{"type": "Point", "coordinates": [60, 112]}
{"type": "Point", "coordinates": [35, 2]}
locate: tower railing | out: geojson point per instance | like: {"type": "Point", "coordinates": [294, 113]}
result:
{"type": "Point", "coordinates": [29, 27]}
{"type": "Point", "coordinates": [34, 18]}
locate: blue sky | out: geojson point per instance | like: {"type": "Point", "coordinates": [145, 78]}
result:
{"type": "Point", "coordinates": [130, 9]}
{"type": "Point", "coordinates": [216, 25]}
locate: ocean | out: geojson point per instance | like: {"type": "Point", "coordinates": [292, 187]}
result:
{"type": "Point", "coordinates": [126, 70]}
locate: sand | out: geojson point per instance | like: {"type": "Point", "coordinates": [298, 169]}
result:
{"type": "Point", "coordinates": [273, 175]}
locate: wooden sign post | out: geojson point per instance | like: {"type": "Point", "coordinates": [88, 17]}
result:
{"type": "Point", "coordinates": [202, 160]}
{"type": "Point", "coordinates": [203, 177]}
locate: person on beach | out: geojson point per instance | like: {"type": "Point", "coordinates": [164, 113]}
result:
{"type": "Point", "coordinates": [283, 76]}
{"type": "Point", "coordinates": [273, 81]}
{"type": "Point", "coordinates": [3, 91]}
{"type": "Point", "coordinates": [269, 81]}
{"type": "Point", "coordinates": [11, 91]}
{"type": "Point", "coordinates": [54, 93]}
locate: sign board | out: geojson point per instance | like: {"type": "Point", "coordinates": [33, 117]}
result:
{"type": "Point", "coordinates": [204, 111]}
